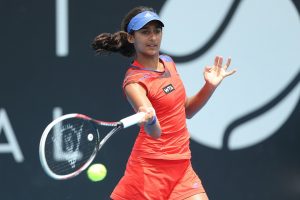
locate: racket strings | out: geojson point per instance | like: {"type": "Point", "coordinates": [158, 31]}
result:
{"type": "Point", "coordinates": [71, 143]}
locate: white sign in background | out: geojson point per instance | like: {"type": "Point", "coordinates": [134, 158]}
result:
{"type": "Point", "coordinates": [263, 40]}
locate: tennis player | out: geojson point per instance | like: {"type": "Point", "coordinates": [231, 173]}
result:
{"type": "Point", "coordinates": [159, 167]}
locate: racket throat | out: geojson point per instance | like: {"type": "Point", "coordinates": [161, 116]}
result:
{"type": "Point", "coordinates": [111, 133]}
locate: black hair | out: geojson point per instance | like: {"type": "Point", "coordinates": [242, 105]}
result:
{"type": "Point", "coordinates": [118, 42]}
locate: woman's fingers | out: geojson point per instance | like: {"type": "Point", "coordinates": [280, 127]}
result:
{"type": "Point", "coordinates": [150, 113]}
{"type": "Point", "coordinates": [230, 73]}
{"type": "Point", "coordinates": [208, 68]}
{"type": "Point", "coordinates": [216, 61]}
{"type": "Point", "coordinates": [218, 67]}
{"type": "Point", "coordinates": [220, 62]}
{"type": "Point", "coordinates": [227, 64]}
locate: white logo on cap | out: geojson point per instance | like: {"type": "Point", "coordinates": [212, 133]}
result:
{"type": "Point", "coordinates": [148, 14]}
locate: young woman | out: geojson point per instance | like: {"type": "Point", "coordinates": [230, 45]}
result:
{"type": "Point", "coordinates": [159, 167]}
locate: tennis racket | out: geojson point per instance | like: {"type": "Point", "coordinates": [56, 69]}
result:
{"type": "Point", "coordinates": [70, 143]}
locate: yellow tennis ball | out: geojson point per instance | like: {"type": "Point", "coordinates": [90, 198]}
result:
{"type": "Point", "coordinates": [96, 172]}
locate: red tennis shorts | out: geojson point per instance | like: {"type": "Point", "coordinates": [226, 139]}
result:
{"type": "Point", "coordinates": [154, 179]}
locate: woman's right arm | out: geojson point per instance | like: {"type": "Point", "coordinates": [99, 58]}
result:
{"type": "Point", "coordinates": [138, 99]}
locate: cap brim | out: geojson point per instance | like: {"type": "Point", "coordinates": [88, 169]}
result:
{"type": "Point", "coordinates": [142, 23]}
{"type": "Point", "coordinates": [141, 19]}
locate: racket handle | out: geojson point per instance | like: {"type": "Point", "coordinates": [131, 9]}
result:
{"type": "Point", "coordinates": [133, 119]}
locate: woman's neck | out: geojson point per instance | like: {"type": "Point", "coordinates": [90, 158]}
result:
{"type": "Point", "coordinates": [150, 62]}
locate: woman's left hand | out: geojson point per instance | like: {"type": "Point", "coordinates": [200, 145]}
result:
{"type": "Point", "coordinates": [214, 75]}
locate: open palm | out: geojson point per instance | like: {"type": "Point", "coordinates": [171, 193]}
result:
{"type": "Point", "coordinates": [214, 75]}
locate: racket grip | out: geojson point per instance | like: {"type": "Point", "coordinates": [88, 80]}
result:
{"type": "Point", "coordinates": [133, 119]}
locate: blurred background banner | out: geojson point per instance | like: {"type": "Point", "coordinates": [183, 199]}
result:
{"type": "Point", "coordinates": [245, 143]}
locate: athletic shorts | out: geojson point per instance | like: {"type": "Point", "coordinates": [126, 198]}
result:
{"type": "Point", "coordinates": [154, 179]}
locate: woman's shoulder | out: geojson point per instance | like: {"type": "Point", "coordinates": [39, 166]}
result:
{"type": "Point", "coordinates": [136, 75]}
{"type": "Point", "coordinates": [133, 72]}
{"type": "Point", "coordinates": [166, 58]}
{"type": "Point", "coordinates": [170, 64]}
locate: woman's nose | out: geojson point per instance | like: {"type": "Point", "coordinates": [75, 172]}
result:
{"type": "Point", "coordinates": [153, 35]}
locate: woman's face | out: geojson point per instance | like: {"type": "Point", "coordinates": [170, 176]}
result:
{"type": "Point", "coordinates": [147, 40]}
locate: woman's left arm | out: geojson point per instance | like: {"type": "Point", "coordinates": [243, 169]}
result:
{"type": "Point", "coordinates": [213, 76]}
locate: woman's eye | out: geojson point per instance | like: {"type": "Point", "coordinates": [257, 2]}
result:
{"type": "Point", "coordinates": [157, 30]}
{"type": "Point", "coordinates": [145, 32]}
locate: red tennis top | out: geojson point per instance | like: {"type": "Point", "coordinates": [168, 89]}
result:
{"type": "Point", "coordinates": [166, 92]}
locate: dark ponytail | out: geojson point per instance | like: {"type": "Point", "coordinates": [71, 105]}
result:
{"type": "Point", "coordinates": [118, 42]}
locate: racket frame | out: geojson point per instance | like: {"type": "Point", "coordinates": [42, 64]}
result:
{"type": "Point", "coordinates": [123, 123]}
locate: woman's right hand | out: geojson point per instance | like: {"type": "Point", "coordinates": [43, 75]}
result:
{"type": "Point", "coordinates": [150, 117]}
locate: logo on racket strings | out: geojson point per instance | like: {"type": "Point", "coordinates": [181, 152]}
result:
{"type": "Point", "coordinates": [66, 141]}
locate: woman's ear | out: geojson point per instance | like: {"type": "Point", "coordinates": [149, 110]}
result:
{"type": "Point", "coordinates": [130, 38]}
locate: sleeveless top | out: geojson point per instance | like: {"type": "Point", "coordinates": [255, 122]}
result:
{"type": "Point", "coordinates": [167, 95]}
